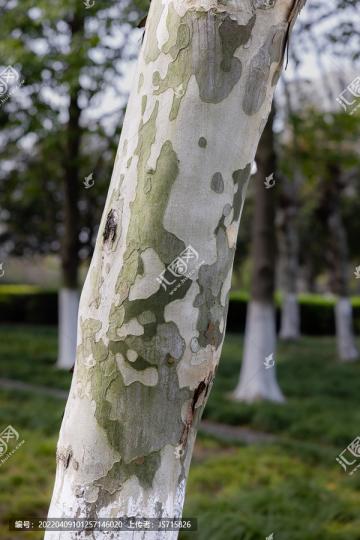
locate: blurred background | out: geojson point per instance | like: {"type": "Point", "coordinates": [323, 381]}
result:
{"type": "Point", "coordinates": [265, 459]}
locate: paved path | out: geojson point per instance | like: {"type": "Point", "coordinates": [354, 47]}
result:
{"type": "Point", "coordinates": [11, 384]}
{"type": "Point", "coordinates": [235, 433]}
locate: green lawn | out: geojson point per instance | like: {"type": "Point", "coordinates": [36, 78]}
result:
{"type": "Point", "coordinates": [292, 487]}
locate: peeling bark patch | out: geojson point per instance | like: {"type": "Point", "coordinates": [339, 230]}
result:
{"type": "Point", "coordinates": [256, 83]}
{"type": "Point", "coordinates": [202, 142]}
{"type": "Point", "coordinates": [204, 46]}
{"type": "Point", "coordinates": [232, 38]}
{"type": "Point", "coordinates": [217, 183]}
{"type": "Point", "coordinates": [264, 4]}
{"type": "Point", "coordinates": [194, 345]}
{"type": "Point", "coordinates": [109, 233]}
{"type": "Point", "coordinates": [141, 432]}
{"type": "Point", "coordinates": [143, 104]}
{"type": "Point", "coordinates": [208, 301]}
{"type": "Point", "coordinates": [240, 178]}
{"type": "Point", "coordinates": [215, 40]}
{"type": "Point", "coordinates": [143, 467]}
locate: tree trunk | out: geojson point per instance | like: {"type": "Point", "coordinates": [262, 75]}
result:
{"type": "Point", "coordinates": [153, 309]}
{"type": "Point", "coordinates": [289, 261]}
{"type": "Point", "coordinates": [257, 381]}
{"type": "Point", "coordinates": [329, 212]}
{"type": "Point", "coordinates": [339, 273]}
{"type": "Point", "coordinates": [346, 346]}
{"type": "Point", "coordinates": [68, 295]}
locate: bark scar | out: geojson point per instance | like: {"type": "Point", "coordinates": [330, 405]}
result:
{"type": "Point", "coordinates": [64, 457]}
{"type": "Point", "coordinates": [201, 389]}
{"type": "Point", "coordinates": [110, 227]}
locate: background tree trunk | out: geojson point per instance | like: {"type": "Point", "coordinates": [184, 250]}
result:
{"type": "Point", "coordinates": [256, 380]}
{"type": "Point", "coordinates": [69, 294]}
{"type": "Point", "coordinates": [339, 267]}
{"type": "Point", "coordinates": [289, 260]}
{"type": "Point", "coordinates": [148, 347]}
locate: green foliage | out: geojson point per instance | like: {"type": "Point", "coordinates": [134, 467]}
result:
{"type": "Point", "coordinates": [69, 57]}
{"type": "Point", "coordinates": [312, 379]}
{"type": "Point", "coordinates": [29, 353]}
{"type": "Point", "coordinates": [248, 493]}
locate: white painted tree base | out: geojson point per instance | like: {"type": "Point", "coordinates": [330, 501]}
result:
{"type": "Point", "coordinates": [68, 312]}
{"type": "Point", "coordinates": [256, 381]}
{"type": "Point", "coordinates": [344, 331]}
{"type": "Point", "coordinates": [290, 318]}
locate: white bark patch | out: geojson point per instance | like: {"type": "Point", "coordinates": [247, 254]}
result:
{"type": "Point", "coordinates": [195, 364]}
{"type": "Point", "coordinates": [147, 285]}
{"type": "Point", "coordinates": [131, 355]}
{"type": "Point", "coordinates": [231, 233]}
{"type": "Point", "coordinates": [132, 328]}
{"type": "Point", "coordinates": [147, 377]}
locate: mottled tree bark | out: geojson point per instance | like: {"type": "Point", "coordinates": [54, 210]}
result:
{"type": "Point", "coordinates": [258, 379]}
{"type": "Point", "coordinates": [150, 337]}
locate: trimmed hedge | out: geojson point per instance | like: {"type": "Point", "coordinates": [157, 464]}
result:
{"type": "Point", "coordinates": [316, 313]}
{"type": "Point", "coordinates": [30, 304]}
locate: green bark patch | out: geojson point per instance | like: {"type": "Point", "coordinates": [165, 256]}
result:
{"type": "Point", "coordinates": [204, 46]}
{"type": "Point", "coordinates": [257, 81]}
{"type": "Point", "coordinates": [143, 104]}
{"type": "Point", "coordinates": [120, 472]}
{"type": "Point", "coordinates": [232, 38]}
{"type": "Point", "coordinates": [151, 50]}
